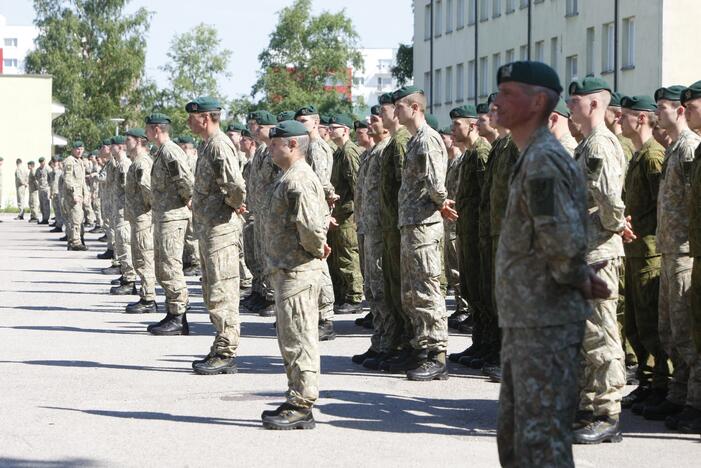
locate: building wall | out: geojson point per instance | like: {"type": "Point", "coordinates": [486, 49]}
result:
{"type": "Point", "coordinates": [25, 119]}
{"type": "Point", "coordinates": [375, 78]}
{"type": "Point", "coordinates": [680, 65]}
{"type": "Point", "coordinates": [16, 42]}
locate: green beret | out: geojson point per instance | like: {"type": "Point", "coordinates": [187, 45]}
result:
{"type": "Point", "coordinates": [203, 104]}
{"type": "Point", "coordinates": [265, 118]}
{"type": "Point", "coordinates": [360, 124]}
{"type": "Point", "coordinates": [119, 140]}
{"type": "Point", "coordinates": [251, 115]}
{"type": "Point", "coordinates": [482, 108]}
{"type": "Point", "coordinates": [156, 119]}
{"type": "Point", "coordinates": [446, 131]}
{"type": "Point", "coordinates": [306, 110]}
{"type": "Point", "coordinates": [341, 119]}
{"type": "Point", "coordinates": [616, 99]}
{"type": "Point", "coordinates": [56, 158]}
{"type": "Point", "coordinates": [690, 93]}
{"type": "Point", "coordinates": [432, 121]}
{"type": "Point", "coordinates": [106, 142]}
{"type": "Point", "coordinates": [184, 139]}
{"type": "Point", "coordinates": [288, 128]}
{"type": "Point", "coordinates": [235, 127]}
{"type": "Point", "coordinates": [405, 91]}
{"type": "Point", "coordinates": [30, 163]}
{"type": "Point", "coordinates": [246, 133]}
{"type": "Point", "coordinates": [324, 119]}
{"type": "Point", "coordinates": [77, 144]}
{"type": "Point", "coordinates": [492, 97]}
{"type": "Point", "coordinates": [530, 73]}
{"type": "Point", "coordinates": [467, 111]}
{"type": "Point", "coordinates": [385, 98]}
{"type": "Point", "coordinates": [285, 115]}
{"type": "Point", "coordinates": [589, 85]}
{"type": "Point", "coordinates": [375, 110]}
{"type": "Point", "coordinates": [175, 140]}
{"type": "Point", "coordinates": [136, 133]}
{"type": "Point", "coordinates": [671, 93]}
{"type": "Point", "coordinates": [639, 103]}
{"type": "Point", "coordinates": [41, 159]}
{"type": "Point", "coordinates": [561, 108]}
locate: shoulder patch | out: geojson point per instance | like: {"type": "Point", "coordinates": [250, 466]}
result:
{"type": "Point", "coordinates": [687, 169]}
{"type": "Point", "coordinates": [174, 168]}
{"type": "Point", "coordinates": [594, 167]}
{"type": "Point", "coordinates": [293, 204]}
{"type": "Point", "coordinates": [542, 196]}
{"type": "Point", "coordinates": [139, 173]}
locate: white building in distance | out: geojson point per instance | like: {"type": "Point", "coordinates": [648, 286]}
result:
{"type": "Point", "coordinates": [15, 43]}
{"type": "Point", "coordinates": [635, 45]}
{"type": "Point", "coordinates": [375, 80]}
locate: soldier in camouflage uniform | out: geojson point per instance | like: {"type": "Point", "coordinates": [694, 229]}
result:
{"type": "Point", "coordinates": [42, 179]}
{"type": "Point", "coordinates": [54, 180]}
{"type": "Point", "coordinates": [600, 157]}
{"type": "Point", "coordinates": [171, 185]}
{"type": "Point", "coordinates": [558, 123]}
{"type": "Point", "coordinates": [33, 190]}
{"type": "Point", "coordinates": [138, 213]}
{"type": "Point", "coordinates": [191, 254]}
{"type": "Point", "coordinates": [87, 201]}
{"type": "Point", "coordinates": [21, 182]}
{"type": "Point", "coordinates": [295, 236]}
{"type": "Point", "coordinates": [105, 178]}
{"type": "Point", "coordinates": [72, 196]}
{"type": "Point", "coordinates": [94, 185]}
{"type": "Point", "coordinates": [121, 226]}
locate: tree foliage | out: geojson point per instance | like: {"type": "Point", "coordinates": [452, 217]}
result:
{"type": "Point", "coordinates": [404, 70]}
{"type": "Point", "coordinates": [96, 54]}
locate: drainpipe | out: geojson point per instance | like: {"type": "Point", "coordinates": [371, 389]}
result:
{"type": "Point", "coordinates": [430, 75]}
{"type": "Point", "coordinates": [615, 45]}
{"type": "Point", "coordinates": [476, 54]}
{"type": "Point", "coordinates": [530, 27]}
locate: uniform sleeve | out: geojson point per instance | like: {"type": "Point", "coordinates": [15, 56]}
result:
{"type": "Point", "coordinates": [180, 175]}
{"type": "Point", "coordinates": [308, 216]}
{"type": "Point", "coordinates": [604, 182]}
{"type": "Point", "coordinates": [143, 180]}
{"type": "Point", "coordinates": [228, 176]}
{"type": "Point", "coordinates": [653, 171]}
{"type": "Point", "coordinates": [435, 171]}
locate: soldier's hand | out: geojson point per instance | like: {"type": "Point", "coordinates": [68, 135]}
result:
{"type": "Point", "coordinates": [333, 224]}
{"type": "Point", "coordinates": [189, 204]}
{"type": "Point", "coordinates": [242, 209]}
{"type": "Point", "coordinates": [332, 200]}
{"type": "Point", "coordinates": [77, 199]}
{"type": "Point", "coordinates": [594, 287]}
{"type": "Point", "coordinates": [327, 251]}
{"type": "Point", "coordinates": [448, 210]}
{"type": "Point", "coordinates": [627, 233]}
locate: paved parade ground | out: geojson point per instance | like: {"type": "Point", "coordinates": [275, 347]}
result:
{"type": "Point", "coordinates": [83, 384]}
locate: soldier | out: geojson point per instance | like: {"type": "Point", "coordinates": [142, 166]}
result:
{"type": "Point", "coordinates": [541, 275]}
{"type": "Point", "coordinates": [324, 131]}
{"type": "Point", "coordinates": [55, 177]}
{"type": "Point", "coordinates": [34, 211]}
{"type": "Point", "coordinates": [138, 213]}
{"type": "Point", "coordinates": [87, 201]}
{"type": "Point", "coordinates": [41, 176]}
{"type": "Point", "coordinates": [296, 246]}
{"type": "Point", "coordinates": [422, 202]}
{"type": "Point", "coordinates": [600, 157]}
{"type": "Point", "coordinates": [485, 121]}
{"type": "Point", "coordinates": [218, 195]}
{"type": "Point", "coordinates": [191, 251]}
{"type": "Point", "coordinates": [364, 140]}
{"type": "Point", "coordinates": [121, 226]}
{"type": "Point", "coordinates": [344, 261]}
{"type": "Point", "coordinates": [105, 192]}
{"type": "Point", "coordinates": [613, 123]}
{"type": "Point", "coordinates": [171, 186]}
{"type": "Point", "coordinates": [21, 183]}
{"type": "Point", "coordinates": [94, 185]}
{"type": "Point", "coordinates": [559, 126]}
{"type": "Point", "coordinates": [72, 196]}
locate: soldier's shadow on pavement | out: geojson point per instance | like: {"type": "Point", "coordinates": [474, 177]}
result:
{"type": "Point", "coordinates": [369, 411]}
{"type": "Point", "coordinates": [637, 427]}
{"type": "Point", "coordinates": [63, 463]}
{"type": "Point", "coordinates": [98, 365]}
{"type": "Point", "coordinates": [63, 309]}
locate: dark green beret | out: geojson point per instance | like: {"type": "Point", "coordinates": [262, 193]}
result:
{"type": "Point", "coordinates": [446, 131]}
{"type": "Point", "coordinates": [385, 98]}
{"type": "Point", "coordinates": [30, 163]}
{"type": "Point", "coordinates": [265, 118]}
{"type": "Point", "coordinates": [589, 85]}
{"type": "Point", "coordinates": [251, 115]}
{"type": "Point", "coordinates": [203, 104]}
{"type": "Point", "coordinates": [77, 144]}
{"type": "Point", "coordinates": [246, 133]}
{"type": "Point", "coordinates": [492, 97]}
{"type": "Point", "coordinates": [136, 133]}
{"type": "Point", "coordinates": [467, 111]}
{"type": "Point", "coordinates": [306, 110]}
{"type": "Point", "coordinates": [341, 119]}
{"type": "Point", "coordinates": [375, 110]}
{"type": "Point", "coordinates": [106, 142]}
{"type": "Point", "coordinates": [671, 93]}
{"type": "Point", "coordinates": [235, 127]}
{"type": "Point", "coordinates": [288, 128]}
{"type": "Point", "coordinates": [405, 91]}
{"type": "Point", "coordinates": [692, 92]}
{"type": "Point", "coordinates": [360, 124]}
{"type": "Point", "coordinates": [324, 119]}
{"type": "Point", "coordinates": [285, 115]}
{"type": "Point", "coordinates": [119, 140]}
{"type": "Point", "coordinates": [175, 140]}
{"type": "Point", "coordinates": [561, 108]}
{"type": "Point", "coordinates": [639, 103]}
{"type": "Point", "coordinates": [432, 121]}
{"type": "Point", "coordinates": [41, 159]}
{"type": "Point", "coordinates": [92, 154]}
{"type": "Point", "coordinates": [157, 119]}
{"type": "Point", "coordinates": [184, 139]}
{"type": "Point", "coordinates": [482, 108]}
{"type": "Point", "coordinates": [616, 99]}
{"type": "Point", "coordinates": [530, 73]}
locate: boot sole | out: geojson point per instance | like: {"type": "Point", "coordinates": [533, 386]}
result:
{"type": "Point", "coordinates": [328, 338]}
{"type": "Point", "coordinates": [297, 425]}
{"type": "Point", "coordinates": [428, 379]}
{"type": "Point", "coordinates": [133, 312]}
{"type": "Point", "coordinates": [614, 439]}
{"type": "Point", "coordinates": [215, 372]}
{"type": "Point", "coordinates": [169, 333]}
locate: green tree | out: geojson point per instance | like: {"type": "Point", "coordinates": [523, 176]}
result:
{"type": "Point", "coordinates": [96, 53]}
{"type": "Point", "coordinates": [306, 57]}
{"type": "Point", "coordinates": [404, 70]}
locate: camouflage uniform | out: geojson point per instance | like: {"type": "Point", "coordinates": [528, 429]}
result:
{"type": "Point", "coordinates": [540, 263]}
{"type": "Point", "coordinates": [219, 190]}
{"type": "Point", "coordinates": [601, 158]}
{"type": "Point", "coordinates": [569, 143]}
{"type": "Point", "coordinates": [42, 178]}
{"type": "Point", "coordinates": [678, 242]}
{"type": "Point", "coordinates": [295, 237]}
{"type": "Point", "coordinates": [344, 261]}
{"type": "Point", "coordinates": [171, 185]}
{"type": "Point", "coordinates": [421, 195]}
{"type": "Point", "coordinates": [105, 178]}
{"type": "Point", "coordinates": [191, 254]}
{"type": "Point", "coordinates": [71, 188]}
{"type": "Point", "coordinates": [122, 228]}
{"type": "Point", "coordinates": [245, 276]}
{"type": "Point", "coordinates": [450, 253]}
{"type": "Point", "coordinates": [138, 213]}
{"type": "Point", "coordinates": [55, 177]}
{"type": "Point", "coordinates": [643, 263]}
{"type": "Point", "coordinates": [631, 359]}
{"type": "Point", "coordinates": [87, 200]}
{"type": "Point", "coordinates": [95, 199]}
{"type": "Point", "coordinates": [21, 182]}
{"type": "Point", "coordinates": [33, 196]}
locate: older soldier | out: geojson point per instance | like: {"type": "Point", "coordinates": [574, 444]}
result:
{"type": "Point", "coordinates": [600, 157]}
{"type": "Point", "coordinates": [642, 258]}
{"type": "Point", "coordinates": [542, 276]}
{"type": "Point", "coordinates": [296, 245]}
{"type": "Point", "coordinates": [72, 196]}
{"type": "Point", "coordinates": [171, 186]}
{"type": "Point", "coordinates": [217, 197]}
{"type": "Point", "coordinates": [138, 213]}
{"type": "Point", "coordinates": [55, 177]}
{"type": "Point", "coordinates": [558, 124]}
{"type": "Point", "coordinates": [21, 183]}
{"type": "Point", "coordinates": [422, 202]}
{"type": "Point", "coordinates": [191, 251]}
{"type": "Point", "coordinates": [42, 179]}
{"type": "Point", "coordinates": [34, 211]}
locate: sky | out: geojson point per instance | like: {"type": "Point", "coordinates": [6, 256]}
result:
{"type": "Point", "coordinates": [244, 28]}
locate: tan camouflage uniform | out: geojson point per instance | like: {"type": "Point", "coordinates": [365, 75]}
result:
{"type": "Point", "coordinates": [21, 183]}
{"type": "Point", "coordinates": [191, 251]}
{"type": "Point", "coordinates": [34, 212]}
{"type": "Point", "coordinates": [72, 188]}
{"type": "Point", "coordinates": [122, 228]}
{"type": "Point", "coordinates": [55, 177]}
{"type": "Point", "coordinates": [42, 178]}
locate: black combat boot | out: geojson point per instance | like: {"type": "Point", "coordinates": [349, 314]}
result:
{"type": "Point", "coordinates": [142, 307]}
{"type": "Point", "coordinates": [215, 364]}
{"type": "Point", "coordinates": [603, 429]}
{"type": "Point", "coordinates": [126, 288]}
{"type": "Point", "coordinates": [684, 418]}
{"type": "Point", "coordinates": [267, 308]}
{"type": "Point", "coordinates": [43, 222]}
{"type": "Point", "coordinates": [457, 318]}
{"type": "Point", "coordinates": [395, 357]}
{"type": "Point", "coordinates": [360, 321]}
{"type": "Point", "coordinates": [326, 332]}
{"type": "Point", "coordinates": [374, 363]}
{"type": "Point", "coordinates": [192, 270]}
{"type": "Point", "coordinates": [106, 255]}
{"type": "Point", "coordinates": [111, 270]}
{"type": "Point", "coordinates": [349, 308]}
{"type": "Point", "coordinates": [56, 229]}
{"type": "Point", "coordinates": [582, 419]}
{"type": "Point", "coordinates": [63, 239]}
{"type": "Point", "coordinates": [117, 281]}
{"type": "Point", "coordinates": [661, 411]}
{"type": "Point", "coordinates": [492, 363]}
{"type": "Point", "coordinates": [288, 416]}
{"type": "Point", "coordinates": [432, 367]}
{"type": "Point", "coordinates": [411, 361]}
{"type": "Point", "coordinates": [77, 247]}
{"type": "Point", "coordinates": [170, 325]}
{"type": "Point", "coordinates": [654, 398]}
{"type": "Point", "coordinates": [360, 358]}
{"type": "Point", "coordinates": [636, 396]}
{"type": "Point", "coordinates": [471, 351]}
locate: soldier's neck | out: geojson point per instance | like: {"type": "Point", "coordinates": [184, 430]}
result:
{"type": "Point", "coordinates": [641, 137]}
{"type": "Point", "coordinates": [588, 126]}
{"type": "Point", "coordinates": [675, 130]}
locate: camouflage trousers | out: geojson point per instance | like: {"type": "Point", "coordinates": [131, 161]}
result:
{"type": "Point", "coordinates": [87, 207]}
{"type": "Point", "coordinates": [73, 219]}
{"type": "Point", "coordinates": [107, 224]}
{"type": "Point", "coordinates": [260, 281]}
{"type": "Point", "coordinates": [398, 330]}
{"type": "Point", "coordinates": [452, 270]}
{"type": "Point", "coordinates": [604, 373]}
{"type": "Point", "coordinates": [490, 320]}
{"type": "Point", "coordinates": [45, 205]}
{"type": "Point", "coordinates": [695, 292]}
{"type": "Point", "coordinates": [344, 262]}
{"type": "Point", "coordinates": [676, 328]}
{"type": "Point", "coordinates": [58, 214]}
{"type": "Point", "coordinates": [122, 248]}
{"type": "Point", "coordinates": [219, 253]}
{"type": "Point", "coordinates": [641, 320]}
{"type": "Point", "coordinates": [245, 276]}
{"type": "Point", "coordinates": [142, 256]}
{"type": "Point", "coordinates": [374, 289]}
{"type": "Point", "coordinates": [168, 243]}
{"type": "Point", "coordinates": [296, 302]}
{"type": "Point", "coordinates": [631, 358]}
{"type": "Point", "coordinates": [326, 297]}
{"type": "Point", "coordinates": [34, 209]}
{"type": "Point", "coordinates": [191, 252]}
{"type": "Point", "coordinates": [422, 299]}
{"type": "Point", "coordinates": [249, 244]}
{"type": "Point", "coordinates": [97, 209]}
{"type": "Point", "coordinates": [470, 287]}
{"type": "Point", "coordinates": [21, 198]}
{"type": "Point", "coordinates": [538, 395]}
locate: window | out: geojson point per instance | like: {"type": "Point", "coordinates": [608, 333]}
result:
{"type": "Point", "coordinates": [460, 83]}
{"type": "Point", "coordinates": [10, 63]}
{"type": "Point", "coordinates": [379, 83]}
{"type": "Point", "coordinates": [471, 13]}
{"type": "Point", "coordinates": [571, 8]}
{"type": "Point", "coordinates": [427, 86]}
{"type": "Point", "coordinates": [496, 63]}
{"type": "Point", "coordinates": [438, 19]}
{"type": "Point", "coordinates": [461, 14]}
{"type": "Point", "coordinates": [427, 22]}
{"type": "Point", "coordinates": [10, 42]}
{"type": "Point", "coordinates": [484, 10]}
{"type": "Point", "coordinates": [629, 42]}
{"type": "Point", "coordinates": [496, 8]}
{"type": "Point", "coordinates": [448, 85]}
{"type": "Point", "coordinates": [571, 72]}
{"type": "Point", "coordinates": [484, 77]}
{"type": "Point", "coordinates": [540, 51]}
{"type": "Point", "coordinates": [437, 84]}
{"type": "Point", "coordinates": [607, 50]}
{"type": "Point", "coordinates": [524, 3]}
{"type": "Point", "coordinates": [448, 16]}
{"type": "Point", "coordinates": [553, 53]}
{"type": "Point", "coordinates": [471, 75]}
{"type": "Point", "coordinates": [590, 50]}
{"type": "Point", "coordinates": [523, 52]}
{"type": "Point", "coordinates": [510, 6]}
{"type": "Point", "coordinates": [510, 56]}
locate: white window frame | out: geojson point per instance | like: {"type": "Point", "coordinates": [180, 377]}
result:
{"type": "Point", "coordinates": [607, 48]}
{"type": "Point", "coordinates": [460, 23]}
{"type": "Point", "coordinates": [449, 16]}
{"type": "Point", "coordinates": [484, 77]}
{"type": "Point", "coordinates": [448, 85]}
{"type": "Point", "coordinates": [628, 43]}
{"type": "Point", "coordinates": [471, 85]}
{"type": "Point", "coordinates": [460, 82]}
{"type": "Point", "coordinates": [572, 69]}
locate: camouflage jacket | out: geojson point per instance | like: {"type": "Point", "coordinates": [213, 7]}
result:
{"type": "Point", "coordinates": [41, 175]}
{"type": "Point", "coordinates": [73, 178]}
{"type": "Point", "coordinates": [695, 205]}
{"type": "Point", "coordinates": [55, 180]}
{"type": "Point", "coordinates": [138, 192]}
{"type": "Point", "coordinates": [358, 194]}
{"type": "Point", "coordinates": [344, 173]}
{"type": "Point", "coordinates": [104, 178]}
{"type": "Point", "coordinates": [21, 177]}
{"type": "Point", "coordinates": [505, 158]}
{"type": "Point", "coordinates": [391, 166]}
{"type": "Point", "coordinates": [569, 143]}
{"type": "Point", "coordinates": [452, 180]}
{"type": "Point", "coordinates": [32, 179]}
{"type": "Point", "coordinates": [468, 198]}
{"type": "Point", "coordinates": [320, 158]}
{"type": "Point", "coordinates": [262, 177]}
{"type": "Point", "coordinates": [626, 146]}
{"type": "Point", "coordinates": [119, 183]}
{"type": "Point", "coordinates": [541, 258]}
{"type": "Point", "coordinates": [371, 213]}
{"type": "Point", "coordinates": [171, 183]}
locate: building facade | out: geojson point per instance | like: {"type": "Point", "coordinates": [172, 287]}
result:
{"type": "Point", "coordinates": [374, 79]}
{"type": "Point", "coordinates": [635, 45]}
{"type": "Point", "coordinates": [15, 43]}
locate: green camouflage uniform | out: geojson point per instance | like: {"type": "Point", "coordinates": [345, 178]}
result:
{"type": "Point", "coordinates": [450, 239]}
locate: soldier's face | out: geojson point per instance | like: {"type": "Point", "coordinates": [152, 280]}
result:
{"type": "Point", "coordinates": [611, 116]}
{"type": "Point", "coordinates": [78, 152]}
{"type": "Point", "coordinates": [666, 113]}
{"type": "Point", "coordinates": [131, 143]}
{"type": "Point", "coordinates": [629, 122]}
{"type": "Point", "coordinates": [376, 124]}
{"type": "Point", "coordinates": [235, 137]}
{"type": "Point", "coordinates": [580, 107]}
{"type": "Point", "coordinates": [483, 125]}
{"type": "Point", "coordinates": [246, 144]}
{"type": "Point", "coordinates": [514, 105]}
{"type": "Point", "coordinates": [362, 137]}
{"type": "Point", "coordinates": [323, 131]}
{"type": "Point", "coordinates": [196, 122]}
{"type": "Point", "coordinates": [279, 150]}
{"type": "Point", "coordinates": [252, 126]}
{"type": "Point", "coordinates": [338, 132]}
{"type": "Point", "coordinates": [309, 121]}
{"type": "Point", "coordinates": [461, 129]}
{"type": "Point", "coordinates": [403, 111]}
{"type": "Point", "coordinates": [693, 113]}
